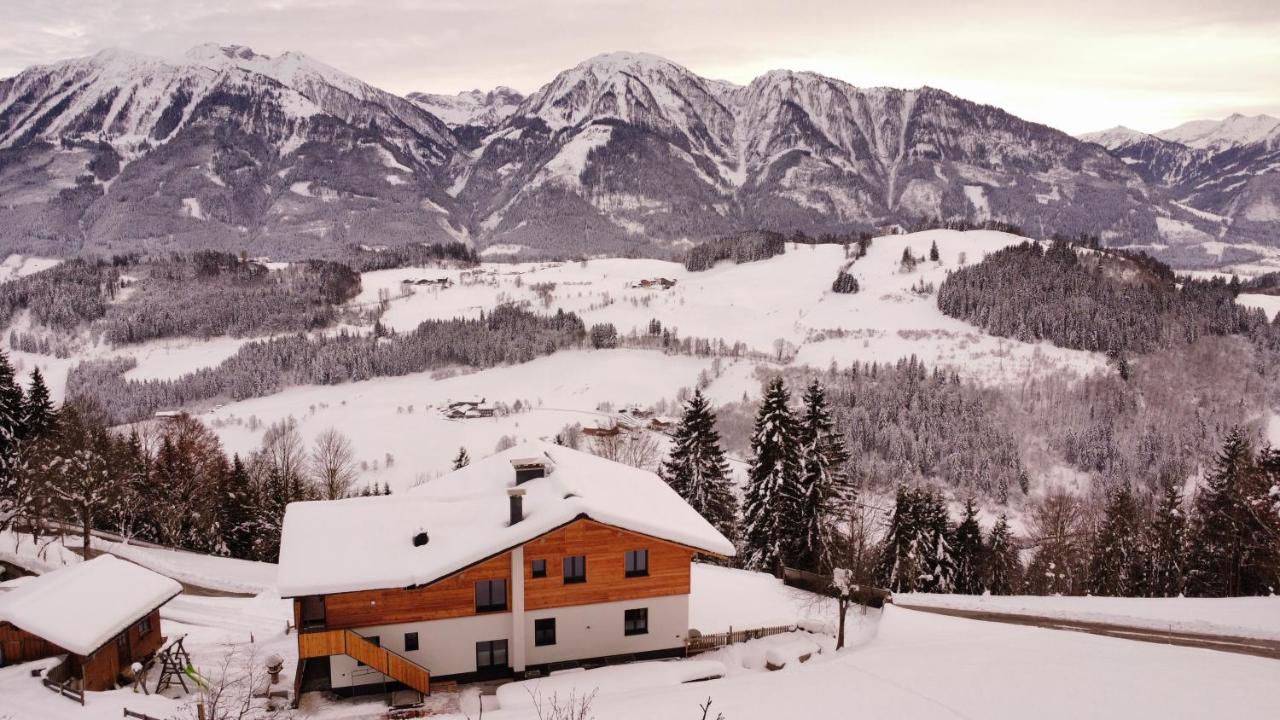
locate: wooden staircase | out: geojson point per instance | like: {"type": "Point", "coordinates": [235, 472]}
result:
{"type": "Point", "coordinates": [323, 643]}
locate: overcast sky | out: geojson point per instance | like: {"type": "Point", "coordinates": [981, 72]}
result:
{"type": "Point", "coordinates": [1082, 65]}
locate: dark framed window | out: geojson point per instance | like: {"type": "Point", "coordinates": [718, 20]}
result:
{"type": "Point", "coordinates": [544, 631]}
{"type": "Point", "coordinates": [312, 615]}
{"type": "Point", "coordinates": [491, 654]}
{"type": "Point", "coordinates": [636, 622]}
{"type": "Point", "coordinates": [575, 569]}
{"type": "Point", "coordinates": [491, 595]}
{"type": "Point", "coordinates": [410, 641]}
{"type": "Point", "coordinates": [637, 563]}
{"type": "Point", "coordinates": [539, 568]}
{"type": "Point", "coordinates": [144, 626]}
{"type": "Point", "coordinates": [377, 642]}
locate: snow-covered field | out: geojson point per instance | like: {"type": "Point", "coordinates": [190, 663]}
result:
{"type": "Point", "coordinates": [1246, 616]}
{"type": "Point", "coordinates": [1270, 304]}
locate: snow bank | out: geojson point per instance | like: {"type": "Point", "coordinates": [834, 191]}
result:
{"type": "Point", "coordinates": [1245, 616]}
{"type": "Point", "coordinates": [793, 651]}
{"type": "Point", "coordinates": [642, 677]}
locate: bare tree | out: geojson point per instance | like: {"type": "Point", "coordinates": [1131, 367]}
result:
{"type": "Point", "coordinates": [637, 449]}
{"type": "Point", "coordinates": [237, 690]}
{"type": "Point", "coordinates": [333, 464]}
{"type": "Point", "coordinates": [574, 707]}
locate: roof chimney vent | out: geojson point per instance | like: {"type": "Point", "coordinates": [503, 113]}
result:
{"type": "Point", "coordinates": [516, 496]}
{"type": "Point", "coordinates": [529, 469]}
{"type": "Point", "coordinates": [420, 539]}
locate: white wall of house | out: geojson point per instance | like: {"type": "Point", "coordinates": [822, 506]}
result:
{"type": "Point", "coordinates": [589, 631]}
{"type": "Point", "coordinates": [445, 647]}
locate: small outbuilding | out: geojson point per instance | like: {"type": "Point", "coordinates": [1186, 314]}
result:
{"type": "Point", "coordinates": [104, 614]}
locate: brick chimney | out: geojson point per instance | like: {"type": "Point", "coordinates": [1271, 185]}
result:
{"type": "Point", "coordinates": [516, 496]}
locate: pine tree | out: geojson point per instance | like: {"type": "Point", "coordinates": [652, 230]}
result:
{"type": "Point", "coordinates": [1167, 543]}
{"type": "Point", "coordinates": [1002, 569]}
{"type": "Point", "coordinates": [696, 468]}
{"type": "Point", "coordinates": [12, 421]}
{"type": "Point", "coordinates": [462, 459]}
{"type": "Point", "coordinates": [933, 251]}
{"type": "Point", "coordinates": [904, 559]}
{"type": "Point", "coordinates": [770, 503]}
{"type": "Point", "coordinates": [939, 564]}
{"type": "Point", "coordinates": [967, 551]}
{"type": "Point", "coordinates": [1216, 563]}
{"type": "Point", "coordinates": [824, 491]}
{"type": "Point", "coordinates": [37, 410]}
{"type": "Point", "coordinates": [1117, 561]}
{"type": "Point", "coordinates": [237, 511]}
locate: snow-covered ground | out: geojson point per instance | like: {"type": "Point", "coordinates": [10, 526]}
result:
{"type": "Point", "coordinates": [1245, 616]}
{"type": "Point", "coordinates": [1270, 304]}
{"type": "Point", "coordinates": [16, 266]}
{"type": "Point", "coordinates": [401, 416]}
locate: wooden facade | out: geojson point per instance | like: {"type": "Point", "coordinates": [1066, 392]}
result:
{"type": "Point", "coordinates": [604, 547]}
{"type": "Point", "coordinates": [18, 646]}
{"type": "Point", "coordinates": [449, 597]}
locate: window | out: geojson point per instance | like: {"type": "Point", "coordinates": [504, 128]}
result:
{"type": "Point", "coordinates": [636, 622]}
{"type": "Point", "coordinates": [491, 595]}
{"type": "Point", "coordinates": [637, 562]}
{"type": "Point", "coordinates": [575, 569]}
{"type": "Point", "coordinates": [410, 641]}
{"type": "Point", "coordinates": [377, 642]}
{"type": "Point", "coordinates": [491, 654]}
{"type": "Point", "coordinates": [539, 568]}
{"type": "Point", "coordinates": [544, 631]}
{"type": "Point", "coordinates": [312, 612]}
{"type": "Point", "coordinates": [144, 626]}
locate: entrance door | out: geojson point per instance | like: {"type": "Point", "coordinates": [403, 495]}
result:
{"type": "Point", "coordinates": [123, 658]}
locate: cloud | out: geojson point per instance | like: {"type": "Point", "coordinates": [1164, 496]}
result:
{"type": "Point", "coordinates": [1079, 66]}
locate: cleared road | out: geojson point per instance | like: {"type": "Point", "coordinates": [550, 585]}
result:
{"type": "Point", "coordinates": [1225, 643]}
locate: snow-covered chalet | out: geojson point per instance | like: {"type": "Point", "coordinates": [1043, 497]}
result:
{"type": "Point", "coordinates": [533, 559]}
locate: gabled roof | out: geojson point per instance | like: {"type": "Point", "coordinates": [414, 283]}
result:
{"type": "Point", "coordinates": [81, 607]}
{"type": "Point", "coordinates": [366, 543]}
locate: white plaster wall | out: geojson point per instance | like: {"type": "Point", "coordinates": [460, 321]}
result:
{"type": "Point", "coordinates": [588, 631]}
{"type": "Point", "coordinates": [445, 647]}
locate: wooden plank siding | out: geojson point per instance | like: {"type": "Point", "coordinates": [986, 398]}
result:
{"type": "Point", "coordinates": [18, 646]}
{"type": "Point", "coordinates": [604, 547]}
{"type": "Point", "coordinates": [323, 643]}
{"type": "Point", "coordinates": [450, 597]}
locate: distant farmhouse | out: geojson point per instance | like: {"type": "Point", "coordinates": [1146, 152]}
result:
{"type": "Point", "coordinates": [529, 561]}
{"type": "Point", "coordinates": [103, 614]}
{"type": "Point", "coordinates": [468, 409]}
{"type": "Point", "coordinates": [660, 282]}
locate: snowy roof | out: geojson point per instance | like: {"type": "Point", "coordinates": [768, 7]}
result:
{"type": "Point", "coordinates": [367, 543]}
{"type": "Point", "coordinates": [81, 607]}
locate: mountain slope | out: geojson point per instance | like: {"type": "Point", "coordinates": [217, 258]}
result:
{"type": "Point", "coordinates": [221, 148]}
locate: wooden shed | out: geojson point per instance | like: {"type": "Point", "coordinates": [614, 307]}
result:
{"type": "Point", "coordinates": [103, 614]}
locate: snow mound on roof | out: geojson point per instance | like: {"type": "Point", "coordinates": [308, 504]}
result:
{"type": "Point", "coordinates": [367, 543]}
{"type": "Point", "coordinates": [81, 607]}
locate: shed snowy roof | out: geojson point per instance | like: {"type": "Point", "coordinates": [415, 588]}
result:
{"type": "Point", "coordinates": [366, 543]}
{"type": "Point", "coordinates": [81, 607]}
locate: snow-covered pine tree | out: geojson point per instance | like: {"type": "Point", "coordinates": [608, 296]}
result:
{"type": "Point", "coordinates": [770, 504]}
{"type": "Point", "coordinates": [696, 468]}
{"type": "Point", "coordinates": [462, 459]}
{"type": "Point", "coordinates": [12, 416]}
{"type": "Point", "coordinates": [967, 551]}
{"type": "Point", "coordinates": [236, 511]}
{"type": "Point", "coordinates": [933, 252]}
{"type": "Point", "coordinates": [1218, 557]}
{"type": "Point", "coordinates": [37, 409]}
{"type": "Point", "coordinates": [824, 490]}
{"type": "Point", "coordinates": [1118, 557]}
{"type": "Point", "coordinates": [939, 571]}
{"type": "Point", "coordinates": [901, 561]}
{"type": "Point", "coordinates": [1167, 543]}
{"type": "Point", "coordinates": [1003, 569]}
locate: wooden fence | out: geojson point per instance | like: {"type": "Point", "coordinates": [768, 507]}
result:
{"type": "Point", "coordinates": [712, 641]}
{"type": "Point", "coordinates": [137, 715]}
{"type": "Point", "coordinates": [64, 689]}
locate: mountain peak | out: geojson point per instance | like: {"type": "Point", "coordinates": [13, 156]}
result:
{"type": "Point", "coordinates": [1234, 130]}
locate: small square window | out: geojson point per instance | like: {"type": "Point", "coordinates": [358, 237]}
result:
{"type": "Point", "coordinates": [144, 626]}
{"type": "Point", "coordinates": [575, 569]}
{"type": "Point", "coordinates": [491, 655]}
{"type": "Point", "coordinates": [636, 622]}
{"type": "Point", "coordinates": [637, 563]}
{"type": "Point", "coordinates": [544, 631]}
{"type": "Point", "coordinates": [539, 568]}
{"type": "Point", "coordinates": [491, 595]}
{"type": "Point", "coordinates": [410, 641]}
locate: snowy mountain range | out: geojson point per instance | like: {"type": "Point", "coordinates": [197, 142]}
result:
{"type": "Point", "coordinates": [1225, 169]}
{"type": "Point", "coordinates": [623, 153]}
